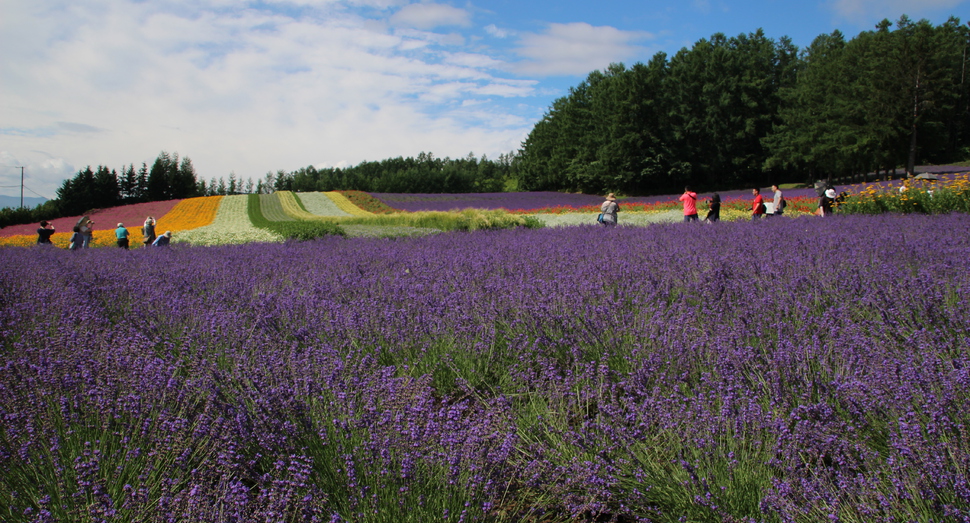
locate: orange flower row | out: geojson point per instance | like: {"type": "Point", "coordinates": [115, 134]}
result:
{"type": "Point", "coordinates": [63, 239]}
{"type": "Point", "coordinates": [191, 213]}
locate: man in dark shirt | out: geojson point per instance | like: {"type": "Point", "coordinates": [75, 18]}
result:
{"type": "Point", "coordinates": [45, 232]}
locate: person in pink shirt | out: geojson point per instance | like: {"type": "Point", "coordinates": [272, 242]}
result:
{"type": "Point", "coordinates": [690, 205]}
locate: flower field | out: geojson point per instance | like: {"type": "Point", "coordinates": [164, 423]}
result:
{"type": "Point", "coordinates": [653, 374]}
{"type": "Point", "coordinates": [231, 225]}
{"type": "Point", "coordinates": [950, 193]}
{"type": "Point", "coordinates": [319, 204]}
{"type": "Point", "coordinates": [189, 214]}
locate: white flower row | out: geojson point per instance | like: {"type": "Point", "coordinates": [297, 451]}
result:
{"type": "Point", "coordinates": [625, 218]}
{"type": "Point", "coordinates": [320, 204]}
{"type": "Point", "coordinates": [230, 226]}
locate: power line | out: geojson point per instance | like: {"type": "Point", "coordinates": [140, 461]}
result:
{"type": "Point", "coordinates": [37, 193]}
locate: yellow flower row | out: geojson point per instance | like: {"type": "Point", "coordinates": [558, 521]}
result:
{"type": "Point", "coordinates": [292, 208]}
{"type": "Point", "coordinates": [190, 213]}
{"type": "Point", "coordinates": [346, 205]}
{"type": "Point", "coordinates": [63, 240]}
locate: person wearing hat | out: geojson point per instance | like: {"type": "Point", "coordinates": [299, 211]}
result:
{"type": "Point", "coordinates": [87, 233]}
{"type": "Point", "coordinates": [825, 202]}
{"type": "Point", "coordinates": [163, 240]}
{"type": "Point", "coordinates": [148, 231]}
{"type": "Point", "coordinates": [122, 234]}
{"type": "Point", "coordinates": [609, 209]}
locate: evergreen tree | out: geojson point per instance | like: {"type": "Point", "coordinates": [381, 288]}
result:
{"type": "Point", "coordinates": [105, 188]}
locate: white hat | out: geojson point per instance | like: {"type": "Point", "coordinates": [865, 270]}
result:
{"type": "Point", "coordinates": [830, 193]}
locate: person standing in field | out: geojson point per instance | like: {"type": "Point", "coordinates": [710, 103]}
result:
{"type": "Point", "coordinates": [609, 209]}
{"type": "Point", "coordinates": [44, 233]}
{"type": "Point", "coordinates": [76, 239]}
{"type": "Point", "coordinates": [122, 234]}
{"type": "Point", "coordinates": [714, 210]}
{"type": "Point", "coordinates": [87, 234]}
{"type": "Point", "coordinates": [825, 203]}
{"type": "Point", "coordinates": [758, 205]}
{"type": "Point", "coordinates": [148, 231]}
{"type": "Point", "coordinates": [779, 201]}
{"type": "Point", "coordinates": [690, 205]}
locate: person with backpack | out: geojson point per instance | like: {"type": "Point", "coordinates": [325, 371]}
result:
{"type": "Point", "coordinates": [779, 201]}
{"type": "Point", "coordinates": [608, 209]}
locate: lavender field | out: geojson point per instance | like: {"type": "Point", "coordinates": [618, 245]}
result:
{"type": "Point", "coordinates": [795, 370]}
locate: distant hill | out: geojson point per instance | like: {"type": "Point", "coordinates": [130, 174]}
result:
{"type": "Point", "coordinates": [14, 201]}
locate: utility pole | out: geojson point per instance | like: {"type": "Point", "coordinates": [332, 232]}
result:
{"type": "Point", "coordinates": [21, 187]}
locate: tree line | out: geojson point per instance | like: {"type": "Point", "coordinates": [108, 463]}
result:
{"type": "Point", "coordinates": [728, 112]}
{"type": "Point", "coordinates": [423, 174]}
{"type": "Point", "coordinates": [749, 110]}
{"type": "Point", "coordinates": [169, 177]}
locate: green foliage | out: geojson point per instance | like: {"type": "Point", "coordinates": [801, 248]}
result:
{"type": "Point", "coordinates": [424, 174]}
{"type": "Point", "coordinates": [19, 215]}
{"type": "Point", "coordinates": [169, 179]}
{"type": "Point", "coordinates": [654, 128]}
{"type": "Point", "coordinates": [292, 230]}
{"type": "Point", "coordinates": [925, 198]}
{"type": "Point", "coordinates": [466, 220]}
{"type": "Point", "coordinates": [883, 99]}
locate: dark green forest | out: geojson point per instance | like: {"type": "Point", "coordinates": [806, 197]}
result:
{"type": "Point", "coordinates": [749, 110]}
{"type": "Point", "coordinates": [728, 112]}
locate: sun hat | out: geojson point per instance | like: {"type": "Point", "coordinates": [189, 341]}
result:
{"type": "Point", "coordinates": [830, 193]}
{"type": "Point", "coordinates": [610, 196]}
{"type": "Point", "coordinates": [121, 225]}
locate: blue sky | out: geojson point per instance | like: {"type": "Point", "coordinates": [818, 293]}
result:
{"type": "Point", "coordinates": [251, 87]}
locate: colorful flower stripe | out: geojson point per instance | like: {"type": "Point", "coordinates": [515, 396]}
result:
{"type": "Point", "coordinates": [292, 207]}
{"type": "Point", "coordinates": [189, 214]}
{"type": "Point", "coordinates": [63, 239]}
{"type": "Point", "coordinates": [346, 205]}
{"type": "Point", "coordinates": [132, 216]}
{"type": "Point", "coordinates": [230, 226]}
{"type": "Point", "coordinates": [319, 204]}
{"type": "Point", "coordinates": [372, 204]}
{"type": "Point", "coordinates": [272, 208]}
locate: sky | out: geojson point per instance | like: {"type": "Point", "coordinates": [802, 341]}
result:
{"type": "Point", "coordinates": [251, 87]}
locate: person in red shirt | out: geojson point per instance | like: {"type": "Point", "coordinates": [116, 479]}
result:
{"type": "Point", "coordinates": [690, 205]}
{"type": "Point", "coordinates": [758, 205]}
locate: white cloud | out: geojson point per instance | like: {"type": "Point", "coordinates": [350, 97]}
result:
{"type": "Point", "coordinates": [493, 30]}
{"type": "Point", "coordinates": [239, 89]}
{"type": "Point", "coordinates": [38, 170]}
{"type": "Point", "coordinates": [576, 49]}
{"type": "Point", "coordinates": [892, 9]}
{"type": "Point", "coordinates": [430, 16]}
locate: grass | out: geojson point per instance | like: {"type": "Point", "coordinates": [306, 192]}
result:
{"type": "Point", "coordinates": [292, 230]}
